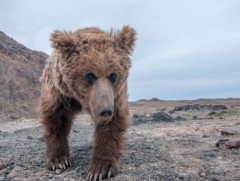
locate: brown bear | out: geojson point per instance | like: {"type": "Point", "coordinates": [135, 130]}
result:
{"type": "Point", "coordinates": [88, 70]}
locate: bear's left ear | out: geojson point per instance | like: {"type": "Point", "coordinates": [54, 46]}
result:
{"type": "Point", "coordinates": [63, 41]}
{"type": "Point", "coordinates": [125, 39]}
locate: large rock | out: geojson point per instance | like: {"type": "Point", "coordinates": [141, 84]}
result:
{"type": "Point", "coordinates": [218, 107]}
{"type": "Point", "coordinates": [162, 116]}
{"type": "Point", "coordinates": [155, 117]}
{"type": "Point", "coordinates": [199, 107]}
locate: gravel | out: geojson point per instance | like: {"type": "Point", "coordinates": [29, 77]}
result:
{"type": "Point", "coordinates": [152, 151]}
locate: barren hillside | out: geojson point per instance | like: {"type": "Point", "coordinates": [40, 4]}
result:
{"type": "Point", "coordinates": [20, 69]}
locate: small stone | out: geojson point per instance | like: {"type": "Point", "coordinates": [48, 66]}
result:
{"type": "Point", "coordinates": [14, 116]}
{"type": "Point", "coordinates": [182, 176]}
{"type": "Point", "coordinates": [29, 137]}
{"type": "Point", "coordinates": [41, 139]}
{"type": "Point", "coordinates": [75, 131]}
{"type": "Point", "coordinates": [50, 176]}
{"type": "Point", "coordinates": [58, 171]}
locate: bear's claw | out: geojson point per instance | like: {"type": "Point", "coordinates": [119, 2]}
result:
{"type": "Point", "coordinates": [62, 163]}
{"type": "Point", "coordinates": [101, 171]}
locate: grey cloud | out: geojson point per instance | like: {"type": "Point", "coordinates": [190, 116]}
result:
{"type": "Point", "coordinates": [185, 49]}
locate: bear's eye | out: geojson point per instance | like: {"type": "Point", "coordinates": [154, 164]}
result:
{"type": "Point", "coordinates": [91, 78]}
{"type": "Point", "coordinates": [113, 77]}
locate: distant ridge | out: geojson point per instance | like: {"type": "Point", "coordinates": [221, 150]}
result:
{"type": "Point", "coordinates": [230, 102]}
{"type": "Point", "coordinates": [187, 100]}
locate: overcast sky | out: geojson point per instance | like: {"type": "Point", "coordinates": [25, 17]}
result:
{"type": "Point", "coordinates": [186, 49]}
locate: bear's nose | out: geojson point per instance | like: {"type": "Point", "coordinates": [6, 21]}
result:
{"type": "Point", "coordinates": [106, 113]}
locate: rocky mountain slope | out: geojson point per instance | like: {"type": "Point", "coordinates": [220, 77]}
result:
{"type": "Point", "coordinates": [20, 69]}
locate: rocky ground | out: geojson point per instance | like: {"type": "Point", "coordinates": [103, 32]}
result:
{"type": "Point", "coordinates": [165, 142]}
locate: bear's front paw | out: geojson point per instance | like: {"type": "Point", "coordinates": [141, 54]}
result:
{"type": "Point", "coordinates": [60, 162]}
{"type": "Point", "coordinates": [101, 169]}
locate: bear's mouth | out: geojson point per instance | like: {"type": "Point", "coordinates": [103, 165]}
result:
{"type": "Point", "coordinates": [103, 118]}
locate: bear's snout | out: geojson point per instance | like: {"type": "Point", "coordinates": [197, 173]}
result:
{"type": "Point", "coordinates": [102, 102]}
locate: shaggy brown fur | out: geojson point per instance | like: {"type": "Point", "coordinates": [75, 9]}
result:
{"type": "Point", "coordinates": [88, 69]}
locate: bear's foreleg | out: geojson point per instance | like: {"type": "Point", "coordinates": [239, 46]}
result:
{"type": "Point", "coordinates": [107, 145]}
{"type": "Point", "coordinates": [57, 120]}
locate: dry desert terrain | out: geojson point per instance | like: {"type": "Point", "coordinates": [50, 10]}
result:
{"type": "Point", "coordinates": [168, 140]}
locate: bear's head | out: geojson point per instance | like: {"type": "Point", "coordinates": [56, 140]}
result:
{"type": "Point", "coordinates": [92, 66]}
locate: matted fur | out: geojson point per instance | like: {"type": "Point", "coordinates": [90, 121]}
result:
{"type": "Point", "coordinates": [87, 69]}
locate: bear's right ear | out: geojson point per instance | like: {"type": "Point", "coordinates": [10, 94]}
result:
{"type": "Point", "coordinates": [63, 41]}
